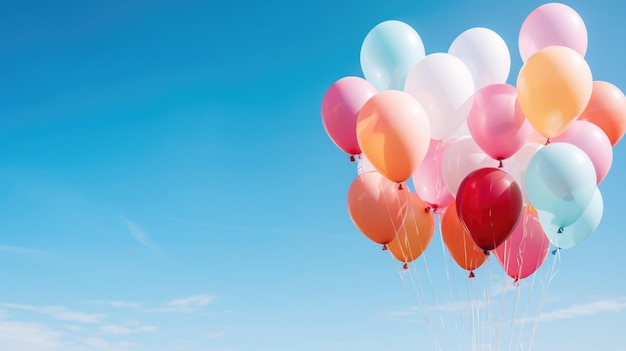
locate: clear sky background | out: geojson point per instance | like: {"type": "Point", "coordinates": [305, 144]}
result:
{"type": "Point", "coordinates": [166, 182]}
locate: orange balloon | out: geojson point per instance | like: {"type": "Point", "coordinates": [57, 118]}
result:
{"type": "Point", "coordinates": [553, 88]}
{"type": "Point", "coordinates": [607, 110]}
{"type": "Point", "coordinates": [458, 241]}
{"type": "Point", "coordinates": [377, 206]}
{"type": "Point", "coordinates": [393, 132]}
{"type": "Point", "coordinates": [416, 232]}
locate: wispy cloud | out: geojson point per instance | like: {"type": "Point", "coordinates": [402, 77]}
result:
{"type": "Point", "coordinates": [18, 250]}
{"type": "Point", "coordinates": [120, 304]}
{"type": "Point", "coordinates": [126, 329]}
{"type": "Point", "coordinates": [187, 304]}
{"type": "Point", "coordinates": [57, 312]}
{"type": "Point", "coordinates": [140, 235]}
{"type": "Point", "coordinates": [29, 337]}
{"type": "Point", "coordinates": [582, 310]}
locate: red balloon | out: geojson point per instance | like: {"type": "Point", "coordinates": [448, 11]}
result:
{"type": "Point", "coordinates": [489, 205]}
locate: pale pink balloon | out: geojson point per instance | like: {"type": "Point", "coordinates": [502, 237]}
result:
{"type": "Point", "coordinates": [497, 122]}
{"type": "Point", "coordinates": [462, 157]}
{"type": "Point", "coordinates": [594, 142]}
{"type": "Point", "coordinates": [340, 109]}
{"type": "Point", "coordinates": [428, 177]}
{"type": "Point", "coordinates": [523, 252]}
{"type": "Point", "coordinates": [552, 24]}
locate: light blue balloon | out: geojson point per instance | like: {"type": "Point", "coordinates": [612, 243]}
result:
{"type": "Point", "coordinates": [576, 233]}
{"type": "Point", "coordinates": [560, 179]}
{"type": "Point", "coordinates": [388, 53]}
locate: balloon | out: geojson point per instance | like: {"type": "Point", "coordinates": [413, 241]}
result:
{"type": "Point", "coordinates": [524, 251]}
{"type": "Point", "coordinates": [592, 140]}
{"type": "Point", "coordinates": [572, 235]}
{"type": "Point", "coordinates": [461, 158]}
{"type": "Point", "coordinates": [416, 232]}
{"type": "Point", "coordinates": [552, 24]}
{"type": "Point", "coordinates": [553, 88]}
{"type": "Point", "coordinates": [560, 179]}
{"type": "Point", "coordinates": [444, 85]}
{"type": "Point", "coordinates": [496, 121]}
{"type": "Point", "coordinates": [377, 206]}
{"type": "Point", "coordinates": [489, 204]}
{"type": "Point", "coordinates": [486, 55]}
{"type": "Point", "coordinates": [340, 108]}
{"type": "Point", "coordinates": [517, 164]}
{"type": "Point", "coordinates": [428, 177]}
{"type": "Point", "coordinates": [388, 53]}
{"type": "Point", "coordinates": [394, 133]}
{"type": "Point", "coordinates": [607, 110]}
{"type": "Point", "coordinates": [459, 242]}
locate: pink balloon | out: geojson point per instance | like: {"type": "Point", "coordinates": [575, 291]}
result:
{"type": "Point", "coordinates": [462, 157]}
{"type": "Point", "coordinates": [523, 252]}
{"type": "Point", "coordinates": [340, 109]}
{"type": "Point", "coordinates": [497, 122]}
{"type": "Point", "coordinates": [594, 142]}
{"type": "Point", "coordinates": [552, 24]}
{"type": "Point", "coordinates": [428, 177]}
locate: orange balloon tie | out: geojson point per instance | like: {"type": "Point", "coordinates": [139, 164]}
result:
{"type": "Point", "coordinates": [472, 275]}
{"type": "Point", "coordinates": [385, 247]}
{"type": "Point", "coordinates": [399, 186]}
{"type": "Point", "coordinates": [405, 267]}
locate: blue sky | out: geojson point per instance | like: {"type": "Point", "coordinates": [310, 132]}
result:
{"type": "Point", "coordinates": [166, 184]}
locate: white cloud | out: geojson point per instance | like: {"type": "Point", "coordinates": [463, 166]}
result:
{"type": "Point", "coordinates": [19, 250]}
{"type": "Point", "coordinates": [188, 304]}
{"type": "Point", "coordinates": [120, 304]}
{"type": "Point", "coordinates": [140, 234]}
{"type": "Point", "coordinates": [57, 312]}
{"type": "Point", "coordinates": [581, 310]}
{"type": "Point", "coordinates": [126, 330]}
{"type": "Point", "coordinates": [29, 337]}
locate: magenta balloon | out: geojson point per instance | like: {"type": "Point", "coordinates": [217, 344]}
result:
{"type": "Point", "coordinates": [340, 109]}
{"type": "Point", "coordinates": [523, 252]}
{"type": "Point", "coordinates": [497, 122]}
{"type": "Point", "coordinates": [552, 24]}
{"type": "Point", "coordinates": [594, 142]}
{"type": "Point", "coordinates": [428, 178]}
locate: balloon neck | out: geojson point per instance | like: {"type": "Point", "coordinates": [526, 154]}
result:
{"type": "Point", "coordinates": [405, 266]}
{"type": "Point", "coordinates": [500, 165]}
{"type": "Point", "coordinates": [472, 275]}
{"type": "Point", "coordinates": [428, 209]}
{"type": "Point", "coordinates": [385, 248]}
{"type": "Point", "coordinates": [486, 252]}
{"type": "Point", "coordinates": [547, 141]}
{"type": "Point", "coordinates": [555, 250]}
{"type": "Point", "coordinates": [400, 186]}
{"type": "Point", "coordinates": [352, 159]}
{"type": "Point", "coordinates": [560, 231]}
{"type": "Point", "coordinates": [516, 282]}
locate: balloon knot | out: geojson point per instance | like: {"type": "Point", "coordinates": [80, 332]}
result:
{"type": "Point", "coordinates": [560, 231]}
{"type": "Point", "coordinates": [547, 141]}
{"type": "Point", "coordinates": [352, 159]}
{"type": "Point", "coordinates": [486, 252]}
{"type": "Point", "coordinates": [500, 165]}
{"type": "Point", "coordinates": [516, 282]}
{"type": "Point", "coordinates": [472, 275]}
{"type": "Point", "coordinates": [555, 250]}
{"type": "Point", "coordinates": [399, 186]}
{"type": "Point", "coordinates": [405, 266]}
{"type": "Point", "coordinates": [385, 247]}
{"type": "Point", "coordinates": [427, 209]}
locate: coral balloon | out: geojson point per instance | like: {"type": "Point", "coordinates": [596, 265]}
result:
{"type": "Point", "coordinates": [377, 206]}
{"type": "Point", "coordinates": [416, 232]}
{"type": "Point", "coordinates": [607, 110]}
{"type": "Point", "coordinates": [496, 121]}
{"type": "Point", "coordinates": [489, 204]}
{"type": "Point", "coordinates": [523, 252]}
{"type": "Point", "coordinates": [459, 242]}
{"type": "Point", "coordinates": [340, 109]}
{"type": "Point", "coordinates": [553, 88]}
{"type": "Point", "coordinates": [394, 133]}
{"type": "Point", "coordinates": [428, 178]}
{"type": "Point", "coordinates": [388, 53]}
{"type": "Point", "coordinates": [552, 24]}
{"type": "Point", "coordinates": [592, 140]}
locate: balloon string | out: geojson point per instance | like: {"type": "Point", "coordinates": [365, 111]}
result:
{"type": "Point", "coordinates": [453, 280]}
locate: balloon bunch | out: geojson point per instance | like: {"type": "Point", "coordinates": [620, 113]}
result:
{"type": "Point", "coordinates": [511, 169]}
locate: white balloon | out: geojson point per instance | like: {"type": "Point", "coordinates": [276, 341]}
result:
{"type": "Point", "coordinates": [444, 86]}
{"type": "Point", "coordinates": [462, 158]}
{"type": "Point", "coordinates": [486, 55]}
{"type": "Point", "coordinates": [364, 165]}
{"type": "Point", "coordinates": [516, 165]}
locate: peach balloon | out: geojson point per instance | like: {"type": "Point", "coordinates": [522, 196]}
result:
{"type": "Point", "coordinates": [377, 206]}
{"type": "Point", "coordinates": [553, 88]}
{"type": "Point", "coordinates": [394, 133]}
{"type": "Point", "coordinates": [607, 110]}
{"type": "Point", "coordinates": [416, 232]}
